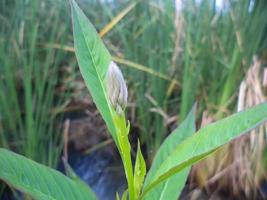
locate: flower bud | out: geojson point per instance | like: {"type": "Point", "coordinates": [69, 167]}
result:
{"type": "Point", "coordinates": [116, 87]}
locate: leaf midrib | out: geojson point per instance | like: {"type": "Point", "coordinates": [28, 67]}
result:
{"type": "Point", "coordinates": [164, 189]}
{"type": "Point", "coordinates": [98, 76]}
{"type": "Point", "coordinates": [183, 126]}
{"type": "Point", "coordinates": [192, 153]}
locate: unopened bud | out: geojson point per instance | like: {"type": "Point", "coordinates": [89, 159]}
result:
{"type": "Point", "coordinates": [117, 89]}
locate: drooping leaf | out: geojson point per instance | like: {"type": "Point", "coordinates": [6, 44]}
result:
{"type": "Point", "coordinates": [206, 141]}
{"type": "Point", "coordinates": [93, 59]}
{"type": "Point", "coordinates": [39, 181]}
{"type": "Point", "coordinates": [139, 171]}
{"type": "Point", "coordinates": [171, 188]}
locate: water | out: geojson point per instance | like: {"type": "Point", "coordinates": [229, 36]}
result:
{"type": "Point", "coordinates": [101, 171]}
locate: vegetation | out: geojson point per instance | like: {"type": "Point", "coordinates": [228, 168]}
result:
{"type": "Point", "coordinates": [171, 58]}
{"type": "Point", "coordinates": [201, 53]}
{"type": "Point", "coordinates": [173, 159]}
{"type": "Point", "coordinates": [29, 79]}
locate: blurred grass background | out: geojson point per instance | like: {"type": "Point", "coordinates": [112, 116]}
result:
{"type": "Point", "coordinates": [173, 53]}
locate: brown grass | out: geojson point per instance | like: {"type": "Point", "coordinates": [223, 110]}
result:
{"type": "Point", "coordinates": [237, 169]}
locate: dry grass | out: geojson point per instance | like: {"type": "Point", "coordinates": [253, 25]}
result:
{"type": "Point", "coordinates": [238, 167]}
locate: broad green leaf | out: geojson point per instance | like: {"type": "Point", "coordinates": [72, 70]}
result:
{"type": "Point", "coordinates": [39, 181]}
{"type": "Point", "coordinates": [172, 187]}
{"type": "Point", "coordinates": [206, 141]}
{"type": "Point", "coordinates": [93, 59]}
{"type": "Point", "coordinates": [139, 171]}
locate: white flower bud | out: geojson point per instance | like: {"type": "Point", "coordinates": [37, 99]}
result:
{"type": "Point", "coordinates": [117, 89]}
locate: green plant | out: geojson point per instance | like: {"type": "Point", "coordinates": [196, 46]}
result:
{"type": "Point", "coordinates": [180, 150]}
{"type": "Point", "coordinates": [40, 181]}
{"type": "Point", "coordinates": [145, 36]}
{"type": "Point", "coordinates": [29, 78]}
{"type": "Point", "coordinates": [219, 45]}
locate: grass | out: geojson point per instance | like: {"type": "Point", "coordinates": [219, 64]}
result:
{"type": "Point", "coordinates": [134, 40]}
{"type": "Point", "coordinates": [29, 78]}
{"type": "Point", "coordinates": [208, 53]}
{"type": "Point", "coordinates": [225, 45]}
{"type": "Point", "coordinates": [221, 46]}
{"type": "Point", "coordinates": [170, 59]}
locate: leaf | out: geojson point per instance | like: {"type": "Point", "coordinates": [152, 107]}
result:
{"type": "Point", "coordinates": [117, 19]}
{"type": "Point", "coordinates": [124, 195]}
{"type": "Point", "coordinates": [139, 171]}
{"type": "Point", "coordinates": [39, 181]}
{"type": "Point", "coordinates": [206, 141]}
{"type": "Point", "coordinates": [93, 59]}
{"type": "Point", "coordinates": [117, 196]}
{"type": "Point", "coordinates": [172, 187]}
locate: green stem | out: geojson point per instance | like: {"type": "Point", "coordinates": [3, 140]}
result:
{"type": "Point", "coordinates": [125, 153]}
{"type": "Point", "coordinates": [128, 168]}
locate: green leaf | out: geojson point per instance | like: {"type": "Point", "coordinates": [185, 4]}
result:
{"type": "Point", "coordinates": [39, 181]}
{"type": "Point", "coordinates": [93, 59]}
{"type": "Point", "coordinates": [206, 141]}
{"type": "Point", "coordinates": [117, 196]}
{"type": "Point", "coordinates": [124, 195]}
{"type": "Point", "coordinates": [139, 171]}
{"type": "Point", "coordinates": [172, 187]}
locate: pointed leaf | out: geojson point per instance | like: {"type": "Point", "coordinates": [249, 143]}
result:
{"type": "Point", "coordinates": [124, 195]}
{"type": "Point", "coordinates": [117, 196]}
{"type": "Point", "coordinates": [206, 141]}
{"type": "Point", "coordinates": [93, 59]}
{"type": "Point", "coordinates": [39, 181]}
{"type": "Point", "coordinates": [139, 171]}
{"type": "Point", "coordinates": [171, 188]}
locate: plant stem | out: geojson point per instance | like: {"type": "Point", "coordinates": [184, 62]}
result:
{"type": "Point", "coordinates": [125, 153]}
{"type": "Point", "coordinates": [128, 168]}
